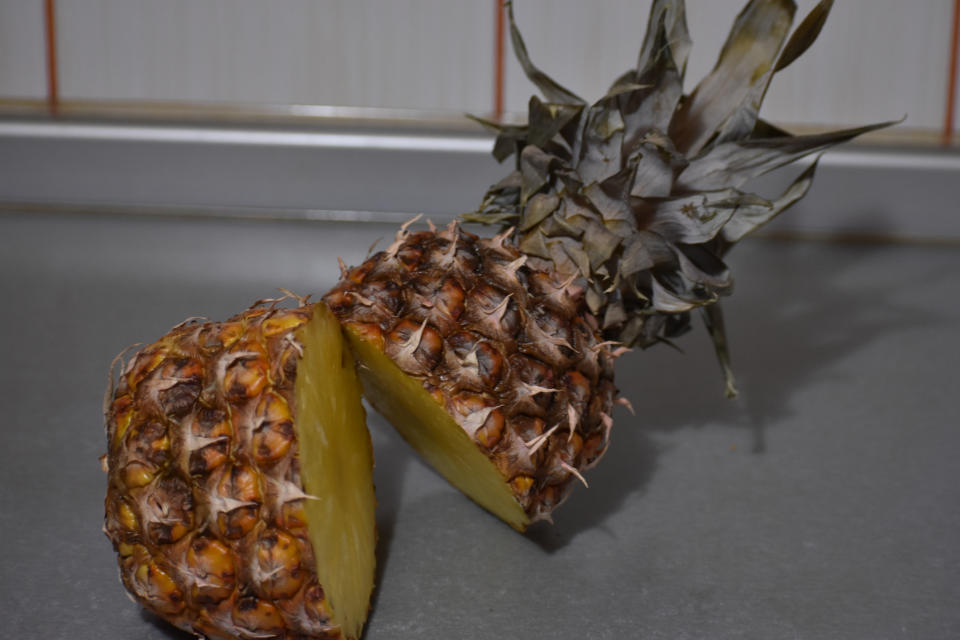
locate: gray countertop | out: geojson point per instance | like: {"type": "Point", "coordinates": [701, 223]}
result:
{"type": "Point", "coordinates": [823, 503]}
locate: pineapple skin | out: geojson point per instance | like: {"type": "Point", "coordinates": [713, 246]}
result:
{"type": "Point", "coordinates": [510, 354]}
{"type": "Point", "coordinates": [205, 501]}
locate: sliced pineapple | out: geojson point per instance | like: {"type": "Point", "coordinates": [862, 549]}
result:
{"type": "Point", "coordinates": [484, 363]}
{"type": "Point", "coordinates": [240, 491]}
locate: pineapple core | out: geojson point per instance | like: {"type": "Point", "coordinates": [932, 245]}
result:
{"type": "Point", "coordinates": [336, 462]}
{"type": "Point", "coordinates": [426, 425]}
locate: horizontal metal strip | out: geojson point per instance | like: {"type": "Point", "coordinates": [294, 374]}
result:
{"type": "Point", "coordinates": [217, 136]}
{"type": "Point", "coordinates": [847, 157]}
{"type": "Point", "coordinates": [387, 176]}
{"type": "Point", "coordinates": [267, 214]}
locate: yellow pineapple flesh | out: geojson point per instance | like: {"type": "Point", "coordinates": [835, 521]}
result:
{"type": "Point", "coordinates": [240, 492]}
{"type": "Point", "coordinates": [336, 473]}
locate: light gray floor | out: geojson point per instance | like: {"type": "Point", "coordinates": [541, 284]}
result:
{"type": "Point", "coordinates": [823, 503]}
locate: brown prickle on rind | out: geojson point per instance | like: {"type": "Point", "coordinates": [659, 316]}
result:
{"type": "Point", "coordinates": [206, 485]}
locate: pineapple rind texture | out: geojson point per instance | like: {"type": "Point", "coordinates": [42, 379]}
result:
{"type": "Point", "coordinates": [639, 195]}
{"type": "Point", "coordinates": [505, 349]}
{"type": "Point", "coordinates": [205, 499]}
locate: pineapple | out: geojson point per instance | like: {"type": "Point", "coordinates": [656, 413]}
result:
{"type": "Point", "coordinates": [240, 496]}
{"type": "Point", "coordinates": [494, 357]}
{"type": "Point", "coordinates": [240, 491]}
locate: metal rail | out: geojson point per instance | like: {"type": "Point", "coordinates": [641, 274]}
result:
{"type": "Point", "coordinates": [383, 175]}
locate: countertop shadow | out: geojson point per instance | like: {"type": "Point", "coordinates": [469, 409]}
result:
{"type": "Point", "coordinates": [786, 330]}
{"type": "Point", "coordinates": [163, 627]}
{"type": "Point", "coordinates": [392, 458]}
{"type": "Point", "coordinates": [627, 467]}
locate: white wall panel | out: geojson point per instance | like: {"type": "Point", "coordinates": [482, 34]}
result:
{"type": "Point", "coordinates": [874, 60]}
{"type": "Point", "coordinates": [22, 52]}
{"type": "Point", "coordinates": [582, 45]}
{"type": "Point", "coordinates": [427, 54]}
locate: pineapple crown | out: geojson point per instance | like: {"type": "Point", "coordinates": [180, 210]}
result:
{"type": "Point", "coordinates": [639, 195]}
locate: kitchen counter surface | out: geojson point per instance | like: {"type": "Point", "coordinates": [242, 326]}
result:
{"type": "Point", "coordinates": [824, 502]}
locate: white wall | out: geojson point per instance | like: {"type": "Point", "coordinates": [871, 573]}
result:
{"type": "Point", "coordinates": [876, 59]}
{"type": "Point", "coordinates": [22, 50]}
{"type": "Point", "coordinates": [402, 53]}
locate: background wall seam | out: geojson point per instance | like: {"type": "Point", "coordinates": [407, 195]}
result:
{"type": "Point", "coordinates": [499, 49]}
{"type": "Point", "coordinates": [950, 110]}
{"type": "Point", "coordinates": [53, 71]}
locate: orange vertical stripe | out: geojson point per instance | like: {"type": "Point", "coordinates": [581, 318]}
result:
{"type": "Point", "coordinates": [498, 48]}
{"type": "Point", "coordinates": [948, 127]}
{"type": "Point", "coordinates": [50, 32]}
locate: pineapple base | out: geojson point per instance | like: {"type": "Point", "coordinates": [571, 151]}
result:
{"type": "Point", "coordinates": [336, 469]}
{"type": "Point", "coordinates": [430, 430]}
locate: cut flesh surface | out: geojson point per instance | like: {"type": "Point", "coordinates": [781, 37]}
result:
{"type": "Point", "coordinates": [337, 470]}
{"type": "Point", "coordinates": [427, 426]}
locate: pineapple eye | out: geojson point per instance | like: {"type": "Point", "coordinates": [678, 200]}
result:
{"type": "Point", "coordinates": [258, 617]}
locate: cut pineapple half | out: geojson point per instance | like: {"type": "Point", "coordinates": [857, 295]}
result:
{"type": "Point", "coordinates": [336, 463]}
{"type": "Point", "coordinates": [429, 429]}
{"type": "Point", "coordinates": [240, 493]}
